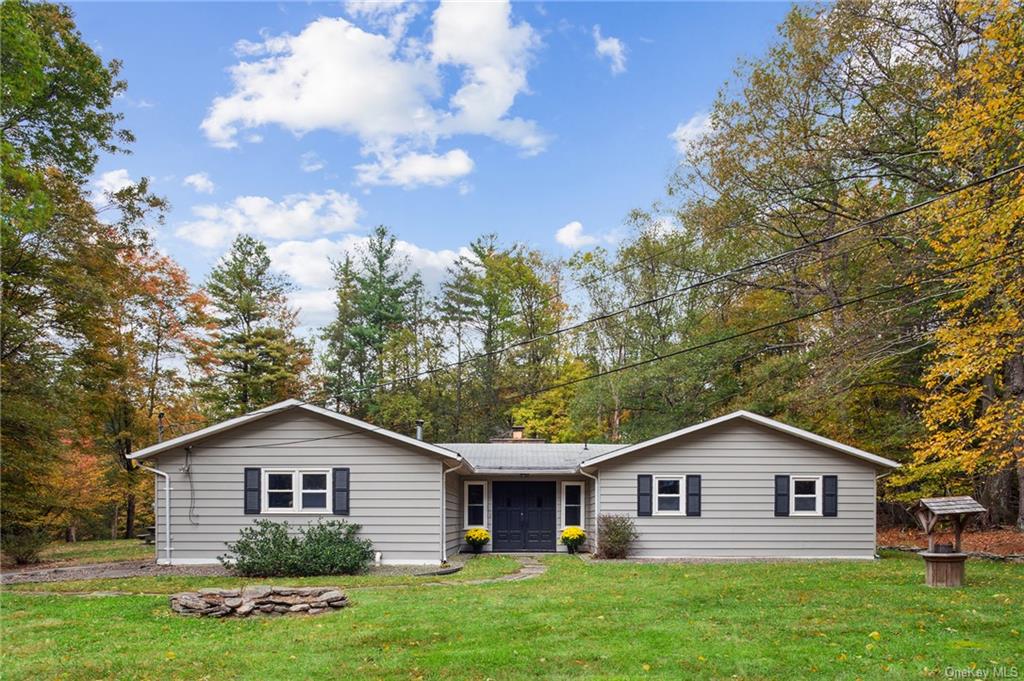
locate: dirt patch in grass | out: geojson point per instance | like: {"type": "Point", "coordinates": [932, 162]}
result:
{"type": "Point", "coordinates": [1000, 541]}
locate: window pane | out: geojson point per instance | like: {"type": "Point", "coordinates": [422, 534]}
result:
{"type": "Point", "coordinates": [476, 494]}
{"type": "Point", "coordinates": [804, 486]}
{"type": "Point", "coordinates": [314, 481]}
{"type": "Point", "coordinates": [311, 500]}
{"type": "Point", "coordinates": [279, 499]}
{"type": "Point", "coordinates": [279, 481]}
{"type": "Point", "coordinates": [805, 503]}
{"type": "Point", "coordinates": [668, 503]}
{"type": "Point", "coordinates": [668, 487]}
{"type": "Point", "coordinates": [572, 515]}
{"type": "Point", "coordinates": [572, 495]}
{"type": "Point", "coordinates": [476, 515]}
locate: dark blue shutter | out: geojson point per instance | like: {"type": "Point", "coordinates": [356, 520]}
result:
{"type": "Point", "coordinates": [781, 495]}
{"type": "Point", "coordinates": [252, 491]}
{"type": "Point", "coordinates": [643, 494]}
{"type": "Point", "coordinates": [340, 476]}
{"type": "Point", "coordinates": [692, 495]}
{"type": "Point", "coordinates": [830, 496]}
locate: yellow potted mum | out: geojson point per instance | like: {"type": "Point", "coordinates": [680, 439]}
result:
{"type": "Point", "coordinates": [477, 538]}
{"type": "Point", "coordinates": [573, 537]}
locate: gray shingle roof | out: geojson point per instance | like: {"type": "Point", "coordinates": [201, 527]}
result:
{"type": "Point", "coordinates": [526, 456]}
{"type": "Point", "coordinates": [951, 505]}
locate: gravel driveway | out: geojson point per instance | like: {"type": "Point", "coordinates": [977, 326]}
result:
{"type": "Point", "coordinates": [130, 568]}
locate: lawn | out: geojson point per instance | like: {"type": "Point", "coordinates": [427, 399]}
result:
{"type": "Point", "coordinates": [841, 620]}
{"type": "Point", "coordinates": [484, 567]}
{"type": "Point", "coordinates": [98, 551]}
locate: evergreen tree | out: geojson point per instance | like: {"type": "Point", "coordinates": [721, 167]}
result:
{"type": "Point", "coordinates": [255, 357]}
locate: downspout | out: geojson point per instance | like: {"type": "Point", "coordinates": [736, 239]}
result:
{"type": "Point", "coordinates": [444, 510]}
{"type": "Point", "coordinates": [167, 507]}
{"type": "Point", "coordinates": [597, 501]}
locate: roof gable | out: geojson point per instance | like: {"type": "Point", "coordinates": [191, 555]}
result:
{"type": "Point", "coordinates": [231, 424]}
{"type": "Point", "coordinates": [755, 418]}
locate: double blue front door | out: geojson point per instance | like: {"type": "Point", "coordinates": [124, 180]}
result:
{"type": "Point", "coordinates": [524, 516]}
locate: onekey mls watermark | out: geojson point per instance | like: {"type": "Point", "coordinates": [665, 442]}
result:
{"type": "Point", "coordinates": [993, 672]}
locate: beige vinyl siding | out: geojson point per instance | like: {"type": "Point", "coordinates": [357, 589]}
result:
{"type": "Point", "coordinates": [738, 462]}
{"type": "Point", "coordinates": [395, 491]}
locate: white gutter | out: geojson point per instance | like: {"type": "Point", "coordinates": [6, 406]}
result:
{"type": "Point", "coordinates": [597, 501]}
{"type": "Point", "coordinates": [444, 510]}
{"type": "Point", "coordinates": [167, 507]}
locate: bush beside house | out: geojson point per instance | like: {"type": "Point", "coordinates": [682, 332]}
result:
{"type": "Point", "coordinates": [269, 549]}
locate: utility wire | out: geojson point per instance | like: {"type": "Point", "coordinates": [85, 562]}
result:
{"type": "Point", "coordinates": [765, 327]}
{"type": "Point", "coordinates": [699, 284]}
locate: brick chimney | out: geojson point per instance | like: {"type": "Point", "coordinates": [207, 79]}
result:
{"type": "Point", "coordinates": [517, 432]}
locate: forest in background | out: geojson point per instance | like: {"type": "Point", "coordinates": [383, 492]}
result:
{"type": "Point", "coordinates": [843, 250]}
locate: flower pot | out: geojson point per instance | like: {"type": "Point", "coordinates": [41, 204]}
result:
{"type": "Point", "coordinates": [572, 549]}
{"type": "Point", "coordinates": [477, 548]}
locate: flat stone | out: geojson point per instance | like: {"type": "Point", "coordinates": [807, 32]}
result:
{"type": "Point", "coordinates": [232, 602]}
{"type": "Point", "coordinates": [281, 608]}
{"type": "Point", "coordinates": [212, 591]}
{"type": "Point", "coordinates": [339, 604]}
{"type": "Point", "coordinates": [218, 612]}
{"type": "Point", "coordinates": [244, 609]}
{"type": "Point", "coordinates": [269, 607]}
{"type": "Point", "coordinates": [192, 602]}
{"type": "Point", "coordinates": [299, 607]}
{"type": "Point", "coordinates": [252, 593]}
{"type": "Point", "coordinates": [317, 611]}
{"type": "Point", "coordinates": [331, 595]}
{"type": "Point", "coordinates": [283, 590]}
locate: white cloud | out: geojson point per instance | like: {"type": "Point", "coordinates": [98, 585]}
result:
{"type": "Point", "coordinates": [690, 131]}
{"type": "Point", "coordinates": [113, 181]}
{"type": "Point", "coordinates": [413, 170]}
{"type": "Point", "coordinates": [310, 162]}
{"type": "Point", "coordinates": [295, 216]}
{"type": "Point", "coordinates": [572, 235]}
{"type": "Point", "coordinates": [612, 49]}
{"type": "Point", "coordinates": [308, 264]}
{"type": "Point", "coordinates": [393, 15]}
{"type": "Point", "coordinates": [386, 89]}
{"type": "Point", "coordinates": [200, 182]}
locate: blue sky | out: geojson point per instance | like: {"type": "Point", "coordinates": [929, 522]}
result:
{"type": "Point", "coordinates": [310, 123]}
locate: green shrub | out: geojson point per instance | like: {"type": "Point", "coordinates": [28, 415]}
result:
{"type": "Point", "coordinates": [615, 535]}
{"type": "Point", "coordinates": [269, 549]}
{"type": "Point", "coordinates": [332, 548]}
{"type": "Point", "coordinates": [23, 544]}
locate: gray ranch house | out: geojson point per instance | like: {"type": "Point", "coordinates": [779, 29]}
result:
{"type": "Point", "coordinates": [738, 486]}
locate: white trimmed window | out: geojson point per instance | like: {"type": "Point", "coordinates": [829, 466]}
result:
{"type": "Point", "coordinates": [805, 495]}
{"type": "Point", "coordinates": [475, 494]}
{"type": "Point", "coordinates": [572, 504]}
{"type": "Point", "coordinates": [668, 495]}
{"type": "Point", "coordinates": [295, 491]}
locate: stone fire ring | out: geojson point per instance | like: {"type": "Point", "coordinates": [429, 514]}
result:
{"type": "Point", "coordinates": [256, 600]}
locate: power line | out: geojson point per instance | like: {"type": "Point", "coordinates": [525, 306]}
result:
{"type": "Point", "coordinates": [765, 327]}
{"type": "Point", "coordinates": [705, 282]}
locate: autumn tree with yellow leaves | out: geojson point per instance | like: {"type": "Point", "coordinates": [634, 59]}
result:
{"type": "Point", "coordinates": [974, 409]}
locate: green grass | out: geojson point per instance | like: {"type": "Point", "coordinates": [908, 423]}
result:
{"type": "Point", "coordinates": [97, 551]}
{"type": "Point", "coordinates": [483, 567]}
{"type": "Point", "coordinates": [752, 621]}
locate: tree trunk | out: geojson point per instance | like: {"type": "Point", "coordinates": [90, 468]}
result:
{"type": "Point", "coordinates": [129, 517]}
{"type": "Point", "coordinates": [1020, 493]}
{"type": "Point", "coordinates": [69, 534]}
{"type": "Point", "coordinates": [113, 521]}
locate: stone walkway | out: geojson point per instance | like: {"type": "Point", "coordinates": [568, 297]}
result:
{"type": "Point", "coordinates": [530, 566]}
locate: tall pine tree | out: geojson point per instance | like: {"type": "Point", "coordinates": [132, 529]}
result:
{"type": "Point", "coordinates": [255, 359]}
